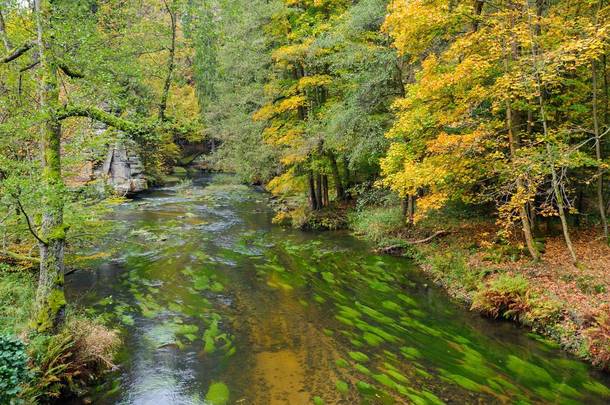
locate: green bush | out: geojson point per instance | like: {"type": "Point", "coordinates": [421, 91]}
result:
{"type": "Point", "coordinates": [377, 223]}
{"type": "Point", "coordinates": [13, 367]}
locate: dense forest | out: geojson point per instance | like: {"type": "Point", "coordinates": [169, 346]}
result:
{"type": "Point", "coordinates": [469, 136]}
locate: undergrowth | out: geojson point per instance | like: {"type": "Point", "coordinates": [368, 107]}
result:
{"type": "Point", "coordinates": [55, 365]}
{"type": "Point", "coordinates": [377, 223]}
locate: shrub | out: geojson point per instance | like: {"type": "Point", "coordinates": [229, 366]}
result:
{"type": "Point", "coordinates": [13, 368]}
{"type": "Point", "coordinates": [376, 223]}
{"type": "Point", "coordinates": [542, 310]}
{"type": "Point", "coordinates": [453, 269]}
{"type": "Point", "coordinates": [505, 295]}
{"type": "Point", "coordinates": [65, 361]}
{"type": "Point", "coordinates": [598, 339]}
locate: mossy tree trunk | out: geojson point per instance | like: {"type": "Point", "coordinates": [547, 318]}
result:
{"type": "Point", "coordinates": [50, 296]}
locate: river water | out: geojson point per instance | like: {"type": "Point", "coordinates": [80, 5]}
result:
{"type": "Point", "coordinates": [218, 306]}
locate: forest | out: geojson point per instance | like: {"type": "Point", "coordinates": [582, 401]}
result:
{"type": "Point", "coordinates": [304, 201]}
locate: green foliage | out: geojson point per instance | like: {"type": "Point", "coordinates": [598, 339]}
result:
{"type": "Point", "coordinates": [13, 367]}
{"type": "Point", "coordinates": [505, 295]}
{"type": "Point", "coordinates": [16, 300]}
{"type": "Point", "coordinates": [377, 223]}
{"type": "Point", "coordinates": [451, 268]}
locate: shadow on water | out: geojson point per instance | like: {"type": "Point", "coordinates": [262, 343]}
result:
{"type": "Point", "coordinates": [217, 306]}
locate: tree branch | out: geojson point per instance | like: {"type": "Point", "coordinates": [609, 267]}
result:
{"type": "Point", "coordinates": [17, 52]}
{"type": "Point", "coordinates": [18, 257]}
{"type": "Point", "coordinates": [171, 63]}
{"type": "Point", "coordinates": [27, 218]}
{"type": "Point", "coordinates": [102, 116]}
{"type": "Point", "coordinates": [30, 66]}
{"type": "Point", "coordinates": [392, 248]}
{"type": "Point", "coordinates": [70, 72]}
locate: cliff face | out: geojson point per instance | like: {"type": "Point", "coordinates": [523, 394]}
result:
{"type": "Point", "coordinates": [123, 170]}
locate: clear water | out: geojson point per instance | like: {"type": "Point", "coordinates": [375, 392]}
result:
{"type": "Point", "coordinates": [216, 306]}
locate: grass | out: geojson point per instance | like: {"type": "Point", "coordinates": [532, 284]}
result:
{"type": "Point", "coordinates": [17, 292]}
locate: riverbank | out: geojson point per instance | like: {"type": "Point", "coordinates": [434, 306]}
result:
{"type": "Point", "coordinates": [567, 303]}
{"type": "Point", "coordinates": [46, 367]}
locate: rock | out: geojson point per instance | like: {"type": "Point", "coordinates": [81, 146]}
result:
{"type": "Point", "coordinates": [123, 170]}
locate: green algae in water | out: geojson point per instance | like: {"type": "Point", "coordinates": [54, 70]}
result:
{"type": "Point", "coordinates": [392, 306]}
{"type": "Point", "coordinates": [209, 337]}
{"type": "Point", "coordinates": [365, 388]}
{"type": "Point", "coordinates": [385, 380]}
{"type": "Point", "coordinates": [318, 401]}
{"type": "Point", "coordinates": [597, 388]}
{"type": "Point", "coordinates": [410, 353]}
{"type": "Point", "coordinates": [460, 380]}
{"type": "Point", "coordinates": [359, 357]}
{"type": "Point", "coordinates": [341, 363]}
{"type": "Point", "coordinates": [218, 394]}
{"type": "Point", "coordinates": [127, 320]}
{"type": "Point", "coordinates": [344, 320]}
{"type": "Point", "coordinates": [362, 369]}
{"type": "Point", "coordinates": [342, 386]}
{"type": "Point", "coordinates": [397, 376]}
{"type": "Point", "coordinates": [528, 371]}
{"type": "Point", "coordinates": [329, 277]}
{"type": "Point", "coordinates": [407, 300]}
{"type": "Point", "coordinates": [372, 339]}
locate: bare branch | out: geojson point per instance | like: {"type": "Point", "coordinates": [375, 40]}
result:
{"type": "Point", "coordinates": [27, 218]}
{"type": "Point", "coordinates": [30, 66]}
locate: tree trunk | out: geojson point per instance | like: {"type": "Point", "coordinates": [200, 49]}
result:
{"type": "Point", "coordinates": [50, 296]}
{"type": "Point", "coordinates": [410, 209]}
{"type": "Point", "coordinates": [3, 35]}
{"type": "Point", "coordinates": [171, 61]}
{"type": "Point", "coordinates": [560, 206]}
{"type": "Point", "coordinates": [513, 143]}
{"type": "Point", "coordinates": [478, 8]}
{"type": "Point", "coordinates": [598, 155]}
{"type": "Point", "coordinates": [325, 200]}
{"type": "Point", "coordinates": [554, 177]}
{"type": "Point", "coordinates": [313, 201]}
{"type": "Point", "coordinates": [347, 179]}
{"type": "Point", "coordinates": [319, 203]}
{"type": "Point", "coordinates": [334, 167]}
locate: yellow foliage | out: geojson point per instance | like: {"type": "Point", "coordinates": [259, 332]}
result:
{"type": "Point", "coordinates": [314, 81]}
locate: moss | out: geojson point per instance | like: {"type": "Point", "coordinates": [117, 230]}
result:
{"type": "Point", "coordinates": [48, 314]}
{"type": "Point", "coordinates": [58, 233]}
{"type": "Point", "coordinates": [218, 394]}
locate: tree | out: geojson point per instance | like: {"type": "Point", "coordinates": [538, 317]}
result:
{"type": "Point", "coordinates": [57, 59]}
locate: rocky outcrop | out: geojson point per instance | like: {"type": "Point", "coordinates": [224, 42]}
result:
{"type": "Point", "coordinates": [123, 170]}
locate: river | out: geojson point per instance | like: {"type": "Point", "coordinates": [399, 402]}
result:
{"type": "Point", "coordinates": [218, 306]}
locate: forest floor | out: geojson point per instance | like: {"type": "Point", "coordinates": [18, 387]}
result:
{"type": "Point", "coordinates": [570, 304]}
